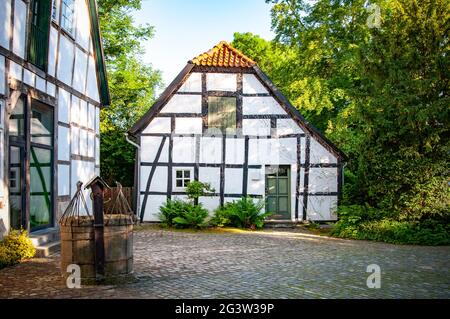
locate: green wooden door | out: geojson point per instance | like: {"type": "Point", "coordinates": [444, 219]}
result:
{"type": "Point", "coordinates": [278, 192]}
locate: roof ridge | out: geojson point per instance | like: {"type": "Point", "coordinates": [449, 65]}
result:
{"type": "Point", "coordinates": [223, 54]}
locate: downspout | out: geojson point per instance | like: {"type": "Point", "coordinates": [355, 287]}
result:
{"type": "Point", "coordinates": [137, 175]}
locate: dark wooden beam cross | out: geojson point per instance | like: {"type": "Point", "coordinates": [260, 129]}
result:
{"type": "Point", "coordinates": [97, 186]}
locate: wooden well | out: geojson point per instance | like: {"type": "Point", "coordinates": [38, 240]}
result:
{"type": "Point", "coordinates": [78, 247]}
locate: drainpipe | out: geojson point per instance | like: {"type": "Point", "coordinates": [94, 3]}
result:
{"type": "Point", "coordinates": [137, 175]}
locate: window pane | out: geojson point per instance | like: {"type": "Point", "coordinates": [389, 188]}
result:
{"type": "Point", "coordinates": [16, 120]}
{"type": "Point", "coordinates": [179, 174]}
{"type": "Point", "coordinates": [222, 112]}
{"type": "Point", "coordinates": [283, 204]}
{"type": "Point", "coordinates": [186, 182]}
{"type": "Point", "coordinates": [41, 124]}
{"type": "Point", "coordinates": [67, 8]}
{"type": "Point", "coordinates": [271, 204]}
{"type": "Point", "coordinates": [283, 186]}
{"type": "Point", "coordinates": [179, 183]}
{"type": "Point", "coordinates": [187, 174]}
{"type": "Point", "coordinates": [55, 10]}
{"type": "Point", "coordinates": [271, 186]}
{"type": "Point", "coordinates": [40, 186]}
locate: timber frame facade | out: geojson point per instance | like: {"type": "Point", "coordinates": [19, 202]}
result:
{"type": "Point", "coordinates": [52, 86]}
{"type": "Point", "coordinates": [271, 152]}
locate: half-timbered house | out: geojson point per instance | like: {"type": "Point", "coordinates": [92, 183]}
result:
{"type": "Point", "coordinates": [223, 122]}
{"type": "Point", "coordinates": [52, 86]}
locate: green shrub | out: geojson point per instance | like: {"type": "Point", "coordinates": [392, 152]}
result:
{"type": "Point", "coordinates": [170, 210]}
{"type": "Point", "coordinates": [181, 214]}
{"type": "Point", "coordinates": [15, 247]}
{"type": "Point", "coordinates": [192, 217]}
{"type": "Point", "coordinates": [244, 213]}
{"type": "Point", "coordinates": [363, 222]}
{"type": "Point", "coordinates": [195, 189]}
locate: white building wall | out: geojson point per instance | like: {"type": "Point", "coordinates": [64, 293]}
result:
{"type": "Point", "coordinates": [266, 147]}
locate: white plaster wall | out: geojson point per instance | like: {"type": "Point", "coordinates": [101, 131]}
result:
{"type": "Point", "coordinates": [41, 84]}
{"type": "Point", "coordinates": [51, 89]}
{"type": "Point", "coordinates": [91, 144]}
{"type": "Point", "coordinates": [183, 149]}
{"type": "Point", "coordinates": [63, 178]}
{"type": "Point", "coordinates": [75, 140]}
{"type": "Point", "coordinates": [234, 151]}
{"type": "Point", "coordinates": [149, 149]}
{"type": "Point", "coordinates": [63, 105]}
{"type": "Point", "coordinates": [83, 142]}
{"type": "Point", "coordinates": [97, 151]}
{"type": "Point", "coordinates": [233, 180]}
{"type": "Point", "coordinates": [158, 125]}
{"type": "Point", "coordinates": [15, 71]}
{"type": "Point", "coordinates": [318, 154]}
{"type": "Point", "coordinates": [82, 171]}
{"type": "Point", "coordinates": [211, 150]}
{"type": "Point", "coordinates": [2, 74]}
{"type": "Point", "coordinates": [256, 181]}
{"type": "Point", "coordinates": [152, 207]}
{"type": "Point", "coordinates": [322, 208]}
{"type": "Point", "coordinates": [323, 179]}
{"type": "Point", "coordinates": [79, 76]}
{"type": "Point", "coordinates": [288, 126]}
{"type": "Point", "coordinates": [211, 203]}
{"type": "Point", "coordinates": [251, 85]}
{"type": "Point", "coordinates": [75, 110]}
{"type": "Point", "coordinates": [97, 120]}
{"type": "Point", "coordinates": [257, 127]}
{"type": "Point", "coordinates": [83, 116]}
{"type": "Point", "coordinates": [5, 23]}
{"type": "Point", "coordinates": [29, 77]}
{"type": "Point", "coordinates": [287, 150]}
{"type": "Point", "coordinates": [83, 24]}
{"type": "Point", "coordinates": [159, 180]}
{"type": "Point", "coordinates": [188, 125]}
{"type": "Point", "coordinates": [192, 84]}
{"type": "Point", "coordinates": [52, 51]}
{"type": "Point", "coordinates": [92, 84]}
{"type": "Point", "coordinates": [183, 103]}
{"type": "Point", "coordinates": [63, 143]}
{"type": "Point", "coordinates": [65, 60]}
{"type": "Point", "coordinates": [221, 82]}
{"type": "Point", "coordinates": [91, 117]}
{"type": "Point", "coordinates": [20, 25]}
{"type": "Point", "coordinates": [261, 105]}
{"type": "Point", "coordinates": [210, 175]}
{"type": "Point", "coordinates": [293, 187]}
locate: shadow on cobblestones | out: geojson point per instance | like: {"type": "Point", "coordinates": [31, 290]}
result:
{"type": "Point", "coordinates": [264, 264]}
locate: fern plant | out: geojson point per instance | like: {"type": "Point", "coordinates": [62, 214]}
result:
{"type": "Point", "coordinates": [192, 217]}
{"type": "Point", "coordinates": [244, 213]}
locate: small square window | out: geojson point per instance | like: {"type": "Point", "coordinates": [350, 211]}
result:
{"type": "Point", "coordinates": [182, 178]}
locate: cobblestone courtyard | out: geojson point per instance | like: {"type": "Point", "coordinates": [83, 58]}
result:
{"type": "Point", "coordinates": [266, 264]}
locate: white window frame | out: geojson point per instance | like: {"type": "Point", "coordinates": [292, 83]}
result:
{"type": "Point", "coordinates": [63, 4]}
{"type": "Point", "coordinates": [56, 5]}
{"type": "Point", "coordinates": [183, 178]}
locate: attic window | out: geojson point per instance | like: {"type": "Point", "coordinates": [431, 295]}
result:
{"type": "Point", "coordinates": [222, 112]}
{"type": "Point", "coordinates": [67, 15]}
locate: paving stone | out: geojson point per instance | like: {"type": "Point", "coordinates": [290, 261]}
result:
{"type": "Point", "coordinates": [264, 264]}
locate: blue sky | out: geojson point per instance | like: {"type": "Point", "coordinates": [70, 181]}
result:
{"type": "Point", "coordinates": [184, 29]}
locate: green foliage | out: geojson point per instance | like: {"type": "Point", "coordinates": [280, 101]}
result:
{"type": "Point", "coordinates": [195, 189]}
{"type": "Point", "coordinates": [181, 214]}
{"type": "Point", "coordinates": [132, 85]}
{"type": "Point", "coordinates": [380, 93]}
{"type": "Point", "coordinates": [15, 247]}
{"type": "Point", "coordinates": [363, 222]}
{"type": "Point", "coordinates": [244, 213]}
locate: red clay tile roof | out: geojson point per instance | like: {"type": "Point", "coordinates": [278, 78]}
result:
{"type": "Point", "coordinates": [223, 55]}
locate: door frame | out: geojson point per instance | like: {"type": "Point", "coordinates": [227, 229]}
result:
{"type": "Point", "coordinates": [29, 95]}
{"type": "Point", "coordinates": [289, 195]}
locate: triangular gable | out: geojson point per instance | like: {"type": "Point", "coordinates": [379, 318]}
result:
{"type": "Point", "coordinates": [225, 56]}
{"type": "Point", "coordinates": [102, 81]}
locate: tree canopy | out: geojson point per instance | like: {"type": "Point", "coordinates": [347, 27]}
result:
{"type": "Point", "coordinates": [132, 85]}
{"type": "Point", "coordinates": [377, 85]}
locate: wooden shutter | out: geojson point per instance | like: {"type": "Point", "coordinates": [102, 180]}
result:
{"type": "Point", "coordinates": [39, 33]}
